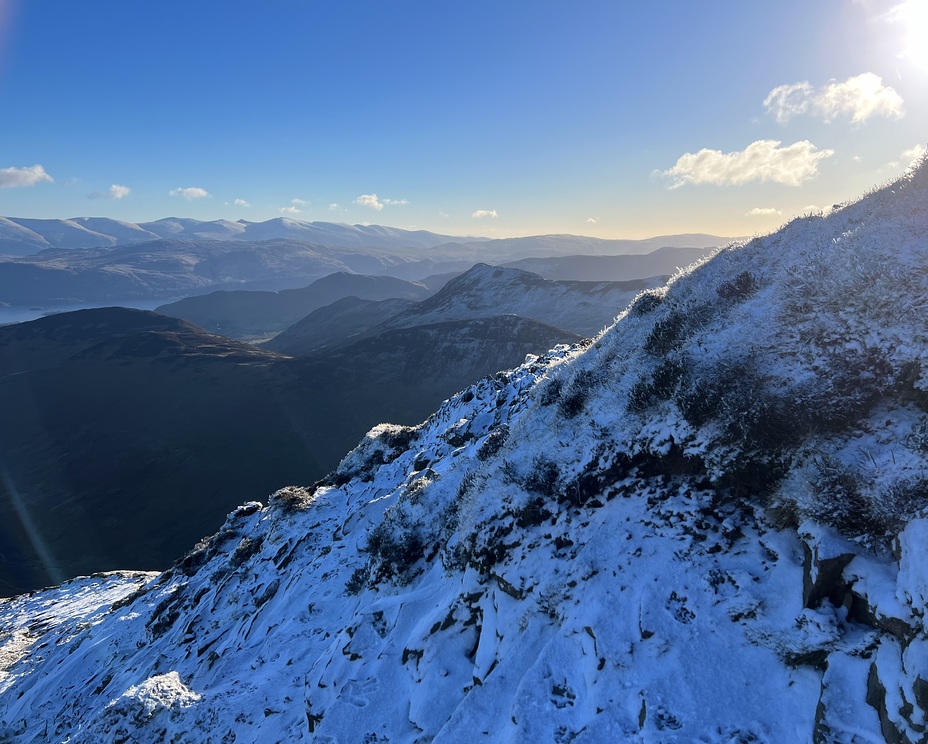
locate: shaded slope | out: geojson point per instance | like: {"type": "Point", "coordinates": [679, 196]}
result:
{"type": "Point", "coordinates": [337, 324]}
{"type": "Point", "coordinates": [244, 314]}
{"type": "Point", "coordinates": [131, 447]}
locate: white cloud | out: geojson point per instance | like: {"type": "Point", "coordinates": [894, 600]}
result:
{"type": "Point", "coordinates": [369, 200]}
{"type": "Point", "coordinates": [763, 160]}
{"type": "Point", "coordinates": [116, 191]}
{"type": "Point", "coordinates": [481, 213]}
{"type": "Point", "coordinates": [591, 220]}
{"type": "Point", "coordinates": [299, 202]}
{"type": "Point", "coordinates": [763, 212]}
{"type": "Point", "coordinates": [241, 203]}
{"type": "Point", "coordinates": [443, 214]}
{"type": "Point", "coordinates": [858, 97]}
{"type": "Point", "coordinates": [11, 178]}
{"type": "Point", "coordinates": [335, 207]}
{"type": "Point", "coordinates": [191, 193]}
{"type": "Point", "coordinates": [912, 154]}
{"type": "Point", "coordinates": [906, 158]}
{"type": "Point", "coordinates": [293, 209]}
{"type": "Point", "coordinates": [375, 202]}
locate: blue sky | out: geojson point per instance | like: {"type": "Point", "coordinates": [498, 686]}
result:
{"type": "Point", "coordinates": [597, 117]}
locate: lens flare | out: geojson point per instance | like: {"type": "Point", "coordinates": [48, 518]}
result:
{"type": "Point", "coordinates": [913, 16]}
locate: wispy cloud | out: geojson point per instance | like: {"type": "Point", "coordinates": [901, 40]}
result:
{"type": "Point", "coordinates": [116, 191]}
{"type": "Point", "coordinates": [906, 158]}
{"type": "Point", "coordinates": [859, 98]}
{"type": "Point", "coordinates": [375, 202]}
{"type": "Point", "coordinates": [241, 203]}
{"type": "Point", "coordinates": [763, 212]}
{"type": "Point", "coordinates": [11, 178]}
{"type": "Point", "coordinates": [591, 220]}
{"type": "Point", "coordinates": [295, 207]}
{"type": "Point", "coordinates": [481, 213]}
{"type": "Point", "coordinates": [912, 154]}
{"type": "Point", "coordinates": [763, 160]}
{"type": "Point", "coordinates": [191, 193]}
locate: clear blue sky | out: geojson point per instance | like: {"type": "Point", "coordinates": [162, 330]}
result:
{"type": "Point", "coordinates": [582, 117]}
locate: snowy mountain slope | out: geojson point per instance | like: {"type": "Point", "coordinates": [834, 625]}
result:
{"type": "Point", "coordinates": [625, 541]}
{"type": "Point", "coordinates": [22, 236]}
{"type": "Point", "coordinates": [121, 232]}
{"type": "Point", "coordinates": [17, 240]}
{"type": "Point", "coordinates": [580, 307]}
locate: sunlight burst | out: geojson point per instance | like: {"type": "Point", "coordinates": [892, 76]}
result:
{"type": "Point", "coordinates": [913, 14]}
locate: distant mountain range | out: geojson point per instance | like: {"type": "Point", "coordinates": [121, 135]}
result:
{"type": "Point", "coordinates": [102, 261]}
{"type": "Point", "coordinates": [22, 237]}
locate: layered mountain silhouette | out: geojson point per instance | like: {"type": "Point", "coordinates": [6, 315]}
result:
{"type": "Point", "coordinates": [99, 261]}
{"type": "Point", "coordinates": [582, 308]}
{"type": "Point", "coordinates": [253, 314]}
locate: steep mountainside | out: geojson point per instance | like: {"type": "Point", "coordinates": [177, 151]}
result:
{"type": "Point", "coordinates": [242, 314]}
{"type": "Point", "coordinates": [707, 525]}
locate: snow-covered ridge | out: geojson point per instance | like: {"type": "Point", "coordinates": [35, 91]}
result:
{"type": "Point", "coordinates": [21, 236]}
{"type": "Point", "coordinates": [706, 525]}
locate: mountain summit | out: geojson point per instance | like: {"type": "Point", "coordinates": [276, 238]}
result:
{"type": "Point", "coordinates": [706, 525]}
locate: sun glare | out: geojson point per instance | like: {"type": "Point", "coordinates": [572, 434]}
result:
{"type": "Point", "coordinates": [913, 15]}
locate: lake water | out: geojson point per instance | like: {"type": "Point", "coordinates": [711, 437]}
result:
{"type": "Point", "coordinates": [22, 314]}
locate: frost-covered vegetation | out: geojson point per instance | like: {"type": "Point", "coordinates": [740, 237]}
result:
{"type": "Point", "coordinates": [707, 525]}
